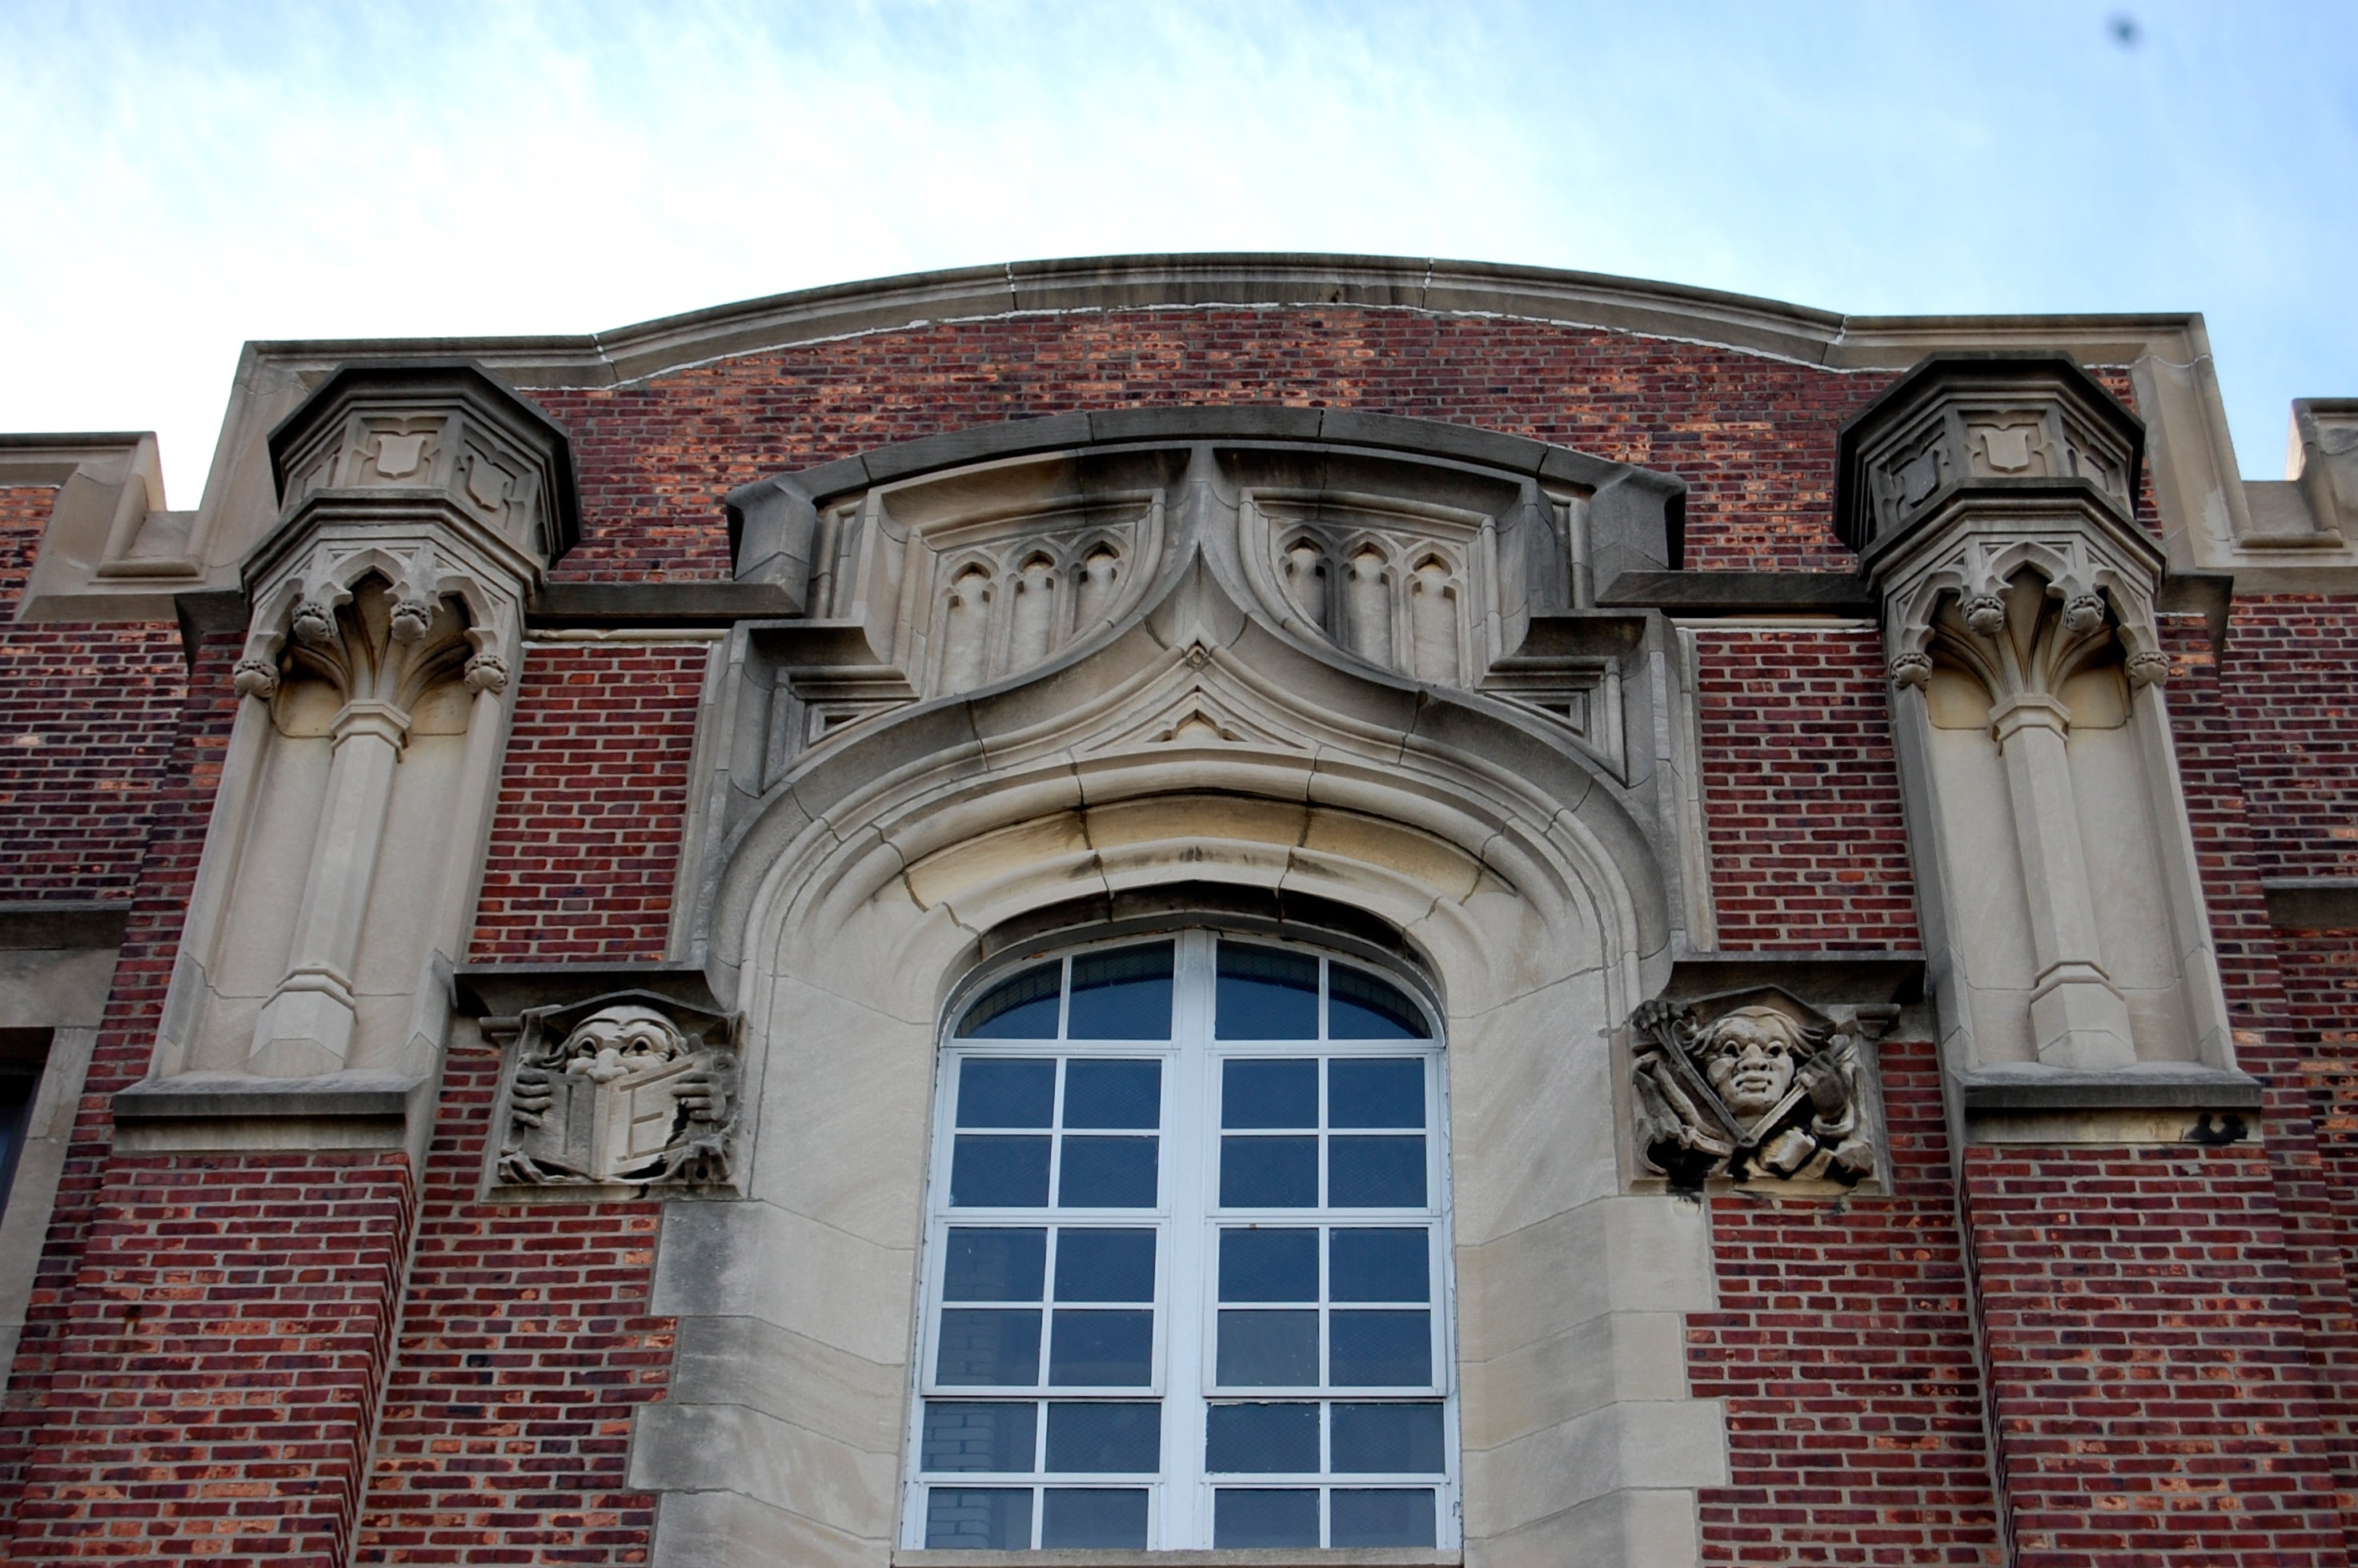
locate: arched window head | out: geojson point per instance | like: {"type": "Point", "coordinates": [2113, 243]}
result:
{"type": "Point", "coordinates": [1186, 1276]}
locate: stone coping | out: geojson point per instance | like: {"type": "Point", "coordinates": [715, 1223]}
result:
{"type": "Point", "coordinates": [1745, 593]}
{"type": "Point", "coordinates": [2311, 903]}
{"type": "Point", "coordinates": [2173, 1087]}
{"type": "Point", "coordinates": [219, 1097]}
{"type": "Point", "coordinates": [504, 990]}
{"type": "Point", "coordinates": [1256, 1557]}
{"type": "Point", "coordinates": [1820, 977]}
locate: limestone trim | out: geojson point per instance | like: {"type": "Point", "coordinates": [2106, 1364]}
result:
{"type": "Point", "coordinates": [111, 551]}
{"type": "Point", "coordinates": [1992, 498]}
{"type": "Point", "coordinates": [1198, 744]}
{"type": "Point", "coordinates": [423, 503]}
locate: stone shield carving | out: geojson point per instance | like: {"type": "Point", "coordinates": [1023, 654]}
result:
{"type": "Point", "coordinates": [1754, 1087]}
{"type": "Point", "coordinates": [630, 1090]}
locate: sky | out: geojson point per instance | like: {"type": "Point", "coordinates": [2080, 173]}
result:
{"type": "Point", "coordinates": [182, 176]}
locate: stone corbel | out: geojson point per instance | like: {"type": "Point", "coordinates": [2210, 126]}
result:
{"type": "Point", "coordinates": [1754, 1087]}
{"type": "Point", "coordinates": [612, 1083]}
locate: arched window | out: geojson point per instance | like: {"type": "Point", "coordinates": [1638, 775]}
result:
{"type": "Point", "coordinates": [1186, 1274]}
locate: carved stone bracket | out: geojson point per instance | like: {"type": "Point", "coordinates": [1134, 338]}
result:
{"type": "Point", "coordinates": [1756, 1086]}
{"type": "Point", "coordinates": [630, 1090]}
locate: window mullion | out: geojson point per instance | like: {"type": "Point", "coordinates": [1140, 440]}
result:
{"type": "Point", "coordinates": [1183, 1523]}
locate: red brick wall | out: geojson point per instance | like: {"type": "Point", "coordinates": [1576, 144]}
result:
{"type": "Point", "coordinates": [219, 1361]}
{"type": "Point", "coordinates": [586, 842]}
{"type": "Point", "coordinates": [525, 1345]}
{"type": "Point", "coordinates": [1801, 791]}
{"type": "Point", "coordinates": [86, 716]}
{"type": "Point", "coordinates": [2153, 1397]}
{"type": "Point", "coordinates": [1843, 1344]}
{"type": "Point", "coordinates": [2293, 673]}
{"type": "Point", "coordinates": [1754, 437]}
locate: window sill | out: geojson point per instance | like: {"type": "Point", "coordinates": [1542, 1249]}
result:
{"type": "Point", "coordinates": [1254, 1557]}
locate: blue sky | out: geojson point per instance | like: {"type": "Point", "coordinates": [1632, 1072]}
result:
{"type": "Point", "coordinates": [182, 177]}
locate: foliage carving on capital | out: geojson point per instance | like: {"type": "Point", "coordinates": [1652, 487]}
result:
{"type": "Point", "coordinates": [1754, 1087]}
{"type": "Point", "coordinates": [629, 1090]}
{"type": "Point", "coordinates": [376, 624]}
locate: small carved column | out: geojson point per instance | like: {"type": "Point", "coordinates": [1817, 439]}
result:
{"type": "Point", "coordinates": [421, 505]}
{"type": "Point", "coordinates": [1992, 500]}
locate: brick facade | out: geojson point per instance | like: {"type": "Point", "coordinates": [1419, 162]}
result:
{"type": "Point", "coordinates": [2047, 1354]}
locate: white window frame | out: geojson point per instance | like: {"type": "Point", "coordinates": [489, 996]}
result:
{"type": "Point", "coordinates": [1187, 1220]}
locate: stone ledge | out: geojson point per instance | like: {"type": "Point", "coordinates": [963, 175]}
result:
{"type": "Point", "coordinates": [1821, 978]}
{"type": "Point", "coordinates": [1252, 1557]}
{"type": "Point", "coordinates": [194, 1112]}
{"type": "Point", "coordinates": [504, 990]}
{"type": "Point", "coordinates": [2054, 1089]}
{"type": "Point", "coordinates": [46, 925]}
{"type": "Point", "coordinates": [657, 604]}
{"type": "Point", "coordinates": [1743, 593]}
{"type": "Point", "coordinates": [2311, 903]}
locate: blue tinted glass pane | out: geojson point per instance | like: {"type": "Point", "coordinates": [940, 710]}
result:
{"type": "Point", "coordinates": [1102, 1350]}
{"type": "Point", "coordinates": [1380, 1349]}
{"type": "Point", "coordinates": [989, 1347]}
{"type": "Point", "coordinates": [962, 1435]}
{"type": "Point", "coordinates": [1261, 1440]}
{"type": "Point", "coordinates": [1269, 1265]}
{"type": "Point", "coordinates": [1109, 1519]}
{"type": "Point", "coordinates": [1113, 1094]}
{"type": "Point", "coordinates": [1004, 1091]}
{"type": "Point", "coordinates": [1383, 1518]}
{"type": "Point", "coordinates": [1105, 1265]}
{"type": "Point", "coordinates": [1269, 1094]}
{"type": "Point", "coordinates": [1269, 1350]}
{"type": "Point", "coordinates": [1266, 993]}
{"type": "Point", "coordinates": [978, 1518]}
{"type": "Point", "coordinates": [1388, 1265]}
{"type": "Point", "coordinates": [994, 1265]}
{"type": "Point", "coordinates": [1361, 1007]}
{"type": "Point", "coordinates": [1122, 995]}
{"type": "Point", "coordinates": [999, 1173]}
{"type": "Point", "coordinates": [1269, 1172]}
{"type": "Point", "coordinates": [1021, 1007]}
{"type": "Point", "coordinates": [1271, 1518]}
{"type": "Point", "coordinates": [1107, 1173]}
{"type": "Point", "coordinates": [1105, 1439]}
{"type": "Point", "coordinates": [1379, 1091]}
{"type": "Point", "coordinates": [1387, 1440]}
{"type": "Point", "coordinates": [1375, 1173]}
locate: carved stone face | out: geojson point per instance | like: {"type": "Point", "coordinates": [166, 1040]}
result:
{"type": "Point", "coordinates": [619, 1041]}
{"type": "Point", "coordinates": [1748, 1058]}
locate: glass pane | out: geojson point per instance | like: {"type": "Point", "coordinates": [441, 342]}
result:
{"type": "Point", "coordinates": [1107, 1173]}
{"type": "Point", "coordinates": [1380, 1091]}
{"type": "Point", "coordinates": [1384, 1440]}
{"type": "Point", "coordinates": [1266, 993]}
{"type": "Point", "coordinates": [1113, 1094]}
{"type": "Point", "coordinates": [1380, 1349]}
{"type": "Point", "coordinates": [999, 1173]}
{"type": "Point", "coordinates": [1261, 1440]}
{"type": "Point", "coordinates": [1264, 1517]}
{"type": "Point", "coordinates": [1268, 1349]}
{"type": "Point", "coordinates": [1378, 1266]}
{"type": "Point", "coordinates": [1269, 1172]}
{"type": "Point", "coordinates": [1361, 1007]}
{"type": "Point", "coordinates": [1375, 1173]}
{"type": "Point", "coordinates": [994, 1265]}
{"type": "Point", "coordinates": [1021, 1007]}
{"type": "Point", "coordinates": [1269, 1265]}
{"type": "Point", "coordinates": [1269, 1094]}
{"type": "Point", "coordinates": [978, 1518]}
{"type": "Point", "coordinates": [1122, 995]}
{"type": "Point", "coordinates": [1105, 1265]}
{"type": "Point", "coordinates": [1109, 1519]}
{"type": "Point", "coordinates": [1105, 1439]}
{"type": "Point", "coordinates": [989, 1346]}
{"type": "Point", "coordinates": [962, 1436]}
{"type": "Point", "coordinates": [1003, 1091]}
{"type": "Point", "coordinates": [1383, 1518]}
{"type": "Point", "coordinates": [1102, 1350]}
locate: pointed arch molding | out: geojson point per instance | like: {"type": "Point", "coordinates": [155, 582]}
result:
{"type": "Point", "coordinates": [1266, 600]}
{"type": "Point", "coordinates": [1187, 736]}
